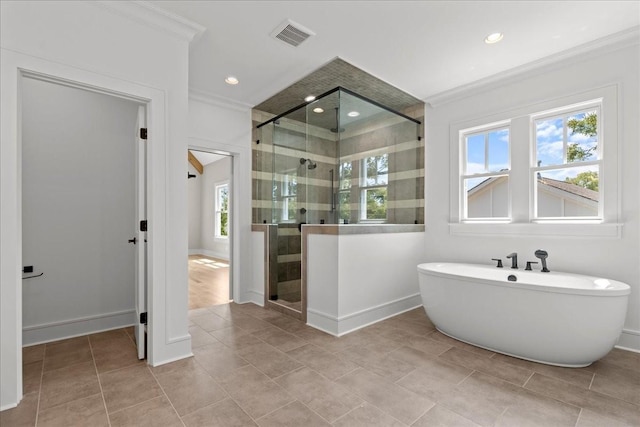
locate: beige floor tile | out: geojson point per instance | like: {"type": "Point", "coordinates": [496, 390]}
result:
{"type": "Point", "coordinates": [152, 413]}
{"type": "Point", "coordinates": [288, 324]}
{"type": "Point", "coordinates": [88, 411]}
{"type": "Point", "coordinates": [23, 415]}
{"type": "Point", "coordinates": [378, 362]}
{"type": "Point", "coordinates": [427, 345]}
{"type": "Point", "coordinates": [387, 329]}
{"type": "Point", "coordinates": [439, 416]}
{"type": "Point", "coordinates": [66, 353]}
{"type": "Point", "coordinates": [218, 362]}
{"type": "Point", "coordinates": [68, 384]}
{"type": "Point", "coordinates": [250, 324]}
{"type": "Point", "coordinates": [268, 359]}
{"type": "Point", "coordinates": [294, 414]}
{"type": "Point", "coordinates": [531, 409]}
{"type": "Point", "coordinates": [106, 338]}
{"type": "Point", "coordinates": [439, 336]}
{"type": "Point", "coordinates": [497, 368]}
{"type": "Point", "coordinates": [128, 386]}
{"type": "Point", "coordinates": [325, 363]}
{"type": "Point", "coordinates": [255, 392]}
{"type": "Point", "coordinates": [114, 354]}
{"type": "Point", "coordinates": [200, 337]}
{"type": "Point", "coordinates": [434, 379]}
{"type": "Point", "coordinates": [581, 377]}
{"type": "Point", "coordinates": [414, 328]}
{"type": "Point", "coordinates": [593, 419]}
{"type": "Point", "coordinates": [34, 353]}
{"type": "Point", "coordinates": [235, 338]}
{"type": "Point", "coordinates": [189, 387]}
{"type": "Point", "coordinates": [323, 396]}
{"type": "Point", "coordinates": [32, 377]}
{"type": "Point", "coordinates": [599, 403]}
{"type": "Point", "coordinates": [280, 339]}
{"type": "Point", "coordinates": [623, 359]}
{"type": "Point", "coordinates": [210, 322]}
{"type": "Point", "coordinates": [222, 414]}
{"type": "Point", "coordinates": [367, 415]}
{"type": "Point", "coordinates": [621, 383]}
{"type": "Point", "coordinates": [397, 401]}
{"type": "Point", "coordinates": [480, 398]}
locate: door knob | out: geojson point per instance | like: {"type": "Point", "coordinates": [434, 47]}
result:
{"type": "Point", "coordinates": [132, 240]}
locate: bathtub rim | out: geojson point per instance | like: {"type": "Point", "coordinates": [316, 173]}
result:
{"type": "Point", "coordinates": [621, 289]}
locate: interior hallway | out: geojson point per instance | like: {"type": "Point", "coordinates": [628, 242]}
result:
{"type": "Point", "coordinates": [253, 366]}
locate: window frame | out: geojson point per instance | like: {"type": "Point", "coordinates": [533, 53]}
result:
{"type": "Point", "coordinates": [364, 187]}
{"type": "Point", "coordinates": [217, 213]}
{"type": "Point", "coordinates": [564, 112]}
{"type": "Point", "coordinates": [463, 194]}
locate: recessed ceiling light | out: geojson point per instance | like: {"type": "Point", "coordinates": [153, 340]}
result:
{"type": "Point", "coordinates": [232, 80]}
{"type": "Point", "coordinates": [318, 110]}
{"type": "Point", "coordinates": [493, 38]}
{"type": "Point", "coordinates": [309, 98]}
{"type": "Point", "coordinates": [353, 114]}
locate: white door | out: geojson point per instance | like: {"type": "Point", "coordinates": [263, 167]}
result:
{"type": "Point", "coordinates": [140, 239]}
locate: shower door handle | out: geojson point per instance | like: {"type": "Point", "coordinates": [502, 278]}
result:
{"type": "Point", "coordinates": [333, 196]}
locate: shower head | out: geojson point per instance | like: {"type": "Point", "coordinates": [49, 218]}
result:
{"type": "Point", "coordinates": [311, 165]}
{"type": "Point", "coordinates": [302, 160]}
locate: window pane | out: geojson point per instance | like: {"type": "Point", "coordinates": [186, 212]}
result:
{"type": "Point", "coordinates": [344, 207]}
{"type": "Point", "coordinates": [487, 197]}
{"type": "Point", "coordinates": [375, 170]}
{"type": "Point", "coordinates": [346, 173]}
{"type": "Point", "coordinates": [498, 150]}
{"type": "Point", "coordinates": [376, 203]}
{"type": "Point", "coordinates": [475, 154]}
{"type": "Point", "coordinates": [549, 142]}
{"type": "Point", "coordinates": [582, 137]}
{"type": "Point", "coordinates": [568, 192]}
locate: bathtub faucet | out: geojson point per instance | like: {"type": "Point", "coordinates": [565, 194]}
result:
{"type": "Point", "coordinates": [514, 259]}
{"type": "Point", "coordinates": [543, 259]}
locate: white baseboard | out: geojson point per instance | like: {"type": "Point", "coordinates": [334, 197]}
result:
{"type": "Point", "coordinates": [629, 340]}
{"type": "Point", "coordinates": [342, 325]}
{"type": "Point", "coordinates": [54, 331]}
{"type": "Point", "coordinates": [9, 406]}
{"type": "Point", "coordinates": [254, 297]}
{"type": "Point", "coordinates": [213, 254]}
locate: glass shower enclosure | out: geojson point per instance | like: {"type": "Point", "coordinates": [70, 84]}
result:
{"type": "Point", "coordinates": [339, 159]}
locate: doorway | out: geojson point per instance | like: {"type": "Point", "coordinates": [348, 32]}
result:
{"type": "Point", "coordinates": [210, 228]}
{"type": "Point", "coordinates": [80, 211]}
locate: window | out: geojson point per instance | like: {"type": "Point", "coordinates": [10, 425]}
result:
{"type": "Point", "coordinates": [289, 191]}
{"type": "Point", "coordinates": [485, 173]}
{"type": "Point", "coordinates": [222, 211]}
{"type": "Point", "coordinates": [567, 164]}
{"type": "Point", "coordinates": [374, 178]}
{"type": "Point", "coordinates": [558, 164]}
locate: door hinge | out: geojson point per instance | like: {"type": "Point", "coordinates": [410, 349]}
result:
{"type": "Point", "coordinates": [143, 225]}
{"type": "Point", "coordinates": [143, 318]}
{"type": "Point", "coordinates": [143, 133]}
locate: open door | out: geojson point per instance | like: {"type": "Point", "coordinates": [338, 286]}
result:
{"type": "Point", "coordinates": [140, 239]}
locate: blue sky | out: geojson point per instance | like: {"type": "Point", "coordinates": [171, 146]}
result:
{"type": "Point", "coordinates": [498, 144]}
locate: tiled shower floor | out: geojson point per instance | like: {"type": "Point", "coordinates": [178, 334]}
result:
{"type": "Point", "coordinates": [253, 366]}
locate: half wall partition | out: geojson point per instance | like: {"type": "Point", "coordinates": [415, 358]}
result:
{"type": "Point", "coordinates": [340, 159]}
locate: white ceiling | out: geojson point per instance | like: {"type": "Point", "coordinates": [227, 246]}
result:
{"type": "Point", "coordinates": [424, 48]}
{"type": "Point", "coordinates": [205, 157]}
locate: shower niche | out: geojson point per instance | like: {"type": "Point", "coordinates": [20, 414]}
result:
{"type": "Point", "coordinates": [338, 161]}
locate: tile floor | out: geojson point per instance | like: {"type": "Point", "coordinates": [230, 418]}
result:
{"type": "Point", "coordinates": [253, 367]}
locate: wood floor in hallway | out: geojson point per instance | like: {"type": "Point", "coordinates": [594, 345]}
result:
{"type": "Point", "coordinates": [208, 281]}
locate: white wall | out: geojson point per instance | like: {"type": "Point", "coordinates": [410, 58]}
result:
{"type": "Point", "coordinates": [227, 129]}
{"type": "Point", "coordinates": [615, 258]}
{"type": "Point", "coordinates": [78, 210]}
{"type": "Point", "coordinates": [214, 173]}
{"type": "Point", "coordinates": [123, 47]}
{"type": "Point", "coordinates": [194, 198]}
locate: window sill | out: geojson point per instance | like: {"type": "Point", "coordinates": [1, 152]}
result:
{"type": "Point", "coordinates": [536, 229]}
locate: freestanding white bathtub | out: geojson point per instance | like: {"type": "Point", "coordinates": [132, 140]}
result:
{"type": "Point", "coordinates": [554, 318]}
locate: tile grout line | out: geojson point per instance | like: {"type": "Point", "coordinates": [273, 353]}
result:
{"type": "Point", "coordinates": [528, 379]}
{"type": "Point", "coordinates": [593, 378]}
{"type": "Point", "coordinates": [165, 395]}
{"type": "Point", "coordinates": [578, 419]}
{"type": "Point", "coordinates": [95, 366]}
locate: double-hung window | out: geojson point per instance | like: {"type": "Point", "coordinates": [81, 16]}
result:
{"type": "Point", "coordinates": [485, 166]}
{"type": "Point", "coordinates": [289, 194]}
{"type": "Point", "coordinates": [567, 164]}
{"type": "Point", "coordinates": [222, 210]}
{"type": "Point", "coordinates": [374, 179]}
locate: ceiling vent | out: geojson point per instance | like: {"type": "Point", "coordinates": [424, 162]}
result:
{"type": "Point", "coordinates": [291, 33]}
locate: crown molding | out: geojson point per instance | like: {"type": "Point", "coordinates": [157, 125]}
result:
{"type": "Point", "coordinates": [218, 101]}
{"type": "Point", "coordinates": [155, 17]}
{"type": "Point", "coordinates": [606, 44]}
